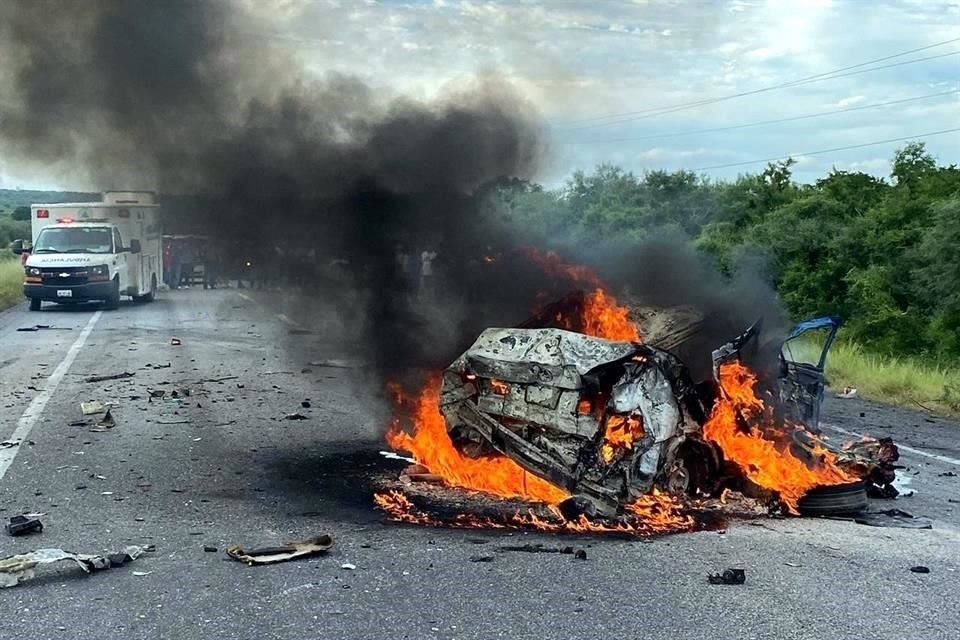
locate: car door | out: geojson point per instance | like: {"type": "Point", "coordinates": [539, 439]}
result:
{"type": "Point", "coordinates": [803, 357]}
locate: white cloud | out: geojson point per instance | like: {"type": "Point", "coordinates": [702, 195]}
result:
{"type": "Point", "coordinates": [849, 101]}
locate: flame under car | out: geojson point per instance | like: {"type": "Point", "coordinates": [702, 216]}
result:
{"type": "Point", "coordinates": [606, 421]}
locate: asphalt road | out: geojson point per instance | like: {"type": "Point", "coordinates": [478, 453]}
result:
{"type": "Point", "coordinates": [223, 466]}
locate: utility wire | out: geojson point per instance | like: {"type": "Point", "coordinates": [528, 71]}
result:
{"type": "Point", "coordinates": [723, 99]}
{"type": "Point", "coordinates": [678, 134]}
{"type": "Point", "coordinates": [770, 88]}
{"type": "Point", "coordinates": [822, 151]}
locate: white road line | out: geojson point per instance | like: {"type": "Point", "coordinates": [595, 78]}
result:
{"type": "Point", "coordinates": [901, 447]}
{"type": "Point", "coordinates": [39, 403]}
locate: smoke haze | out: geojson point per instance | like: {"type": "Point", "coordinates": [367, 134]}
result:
{"type": "Point", "coordinates": [176, 96]}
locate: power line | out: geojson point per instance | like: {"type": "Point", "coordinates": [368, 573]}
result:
{"type": "Point", "coordinates": [795, 83]}
{"type": "Point", "coordinates": [782, 85]}
{"type": "Point", "coordinates": [822, 75]}
{"type": "Point", "coordinates": [822, 151]}
{"type": "Point", "coordinates": [761, 123]}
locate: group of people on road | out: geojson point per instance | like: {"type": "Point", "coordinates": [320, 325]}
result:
{"type": "Point", "coordinates": [181, 260]}
{"type": "Point", "coordinates": [417, 270]}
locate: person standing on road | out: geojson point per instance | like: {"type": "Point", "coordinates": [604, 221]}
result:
{"type": "Point", "coordinates": [426, 272]}
{"type": "Point", "coordinates": [187, 260]}
{"type": "Point", "coordinates": [176, 265]}
{"type": "Point", "coordinates": [211, 267]}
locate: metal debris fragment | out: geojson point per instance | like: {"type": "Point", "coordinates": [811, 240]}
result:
{"type": "Point", "coordinates": [105, 424]}
{"type": "Point", "coordinates": [22, 525]}
{"type": "Point", "coordinates": [115, 376]}
{"type": "Point", "coordinates": [19, 568]}
{"type": "Point", "coordinates": [894, 518]}
{"type": "Point", "coordinates": [729, 576]}
{"type": "Point", "coordinates": [289, 551]}
{"type": "Point", "coordinates": [92, 407]}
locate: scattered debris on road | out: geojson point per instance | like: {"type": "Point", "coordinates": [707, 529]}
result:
{"type": "Point", "coordinates": [729, 576]}
{"type": "Point", "coordinates": [305, 404]}
{"type": "Point", "coordinates": [392, 455]}
{"type": "Point", "coordinates": [874, 460]}
{"type": "Point", "coordinates": [289, 551]}
{"type": "Point", "coordinates": [894, 518]}
{"type": "Point", "coordinates": [175, 342]}
{"type": "Point", "coordinates": [848, 393]}
{"type": "Point", "coordinates": [105, 424]}
{"type": "Point", "coordinates": [92, 408]}
{"type": "Point", "coordinates": [348, 567]}
{"type": "Point", "coordinates": [920, 569]}
{"type": "Point", "coordinates": [22, 525]}
{"type": "Point", "coordinates": [115, 376]}
{"type": "Point", "coordinates": [9, 444]}
{"type": "Point", "coordinates": [19, 568]}
{"type": "Point", "coordinates": [209, 548]}
{"type": "Point", "coordinates": [540, 548]}
{"type": "Point", "coordinates": [335, 363]}
{"type": "Point", "coordinates": [44, 327]}
{"type": "Point", "coordinates": [486, 557]}
{"type": "Point", "coordinates": [295, 416]}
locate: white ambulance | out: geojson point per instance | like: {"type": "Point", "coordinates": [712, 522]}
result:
{"type": "Point", "coordinates": [95, 250]}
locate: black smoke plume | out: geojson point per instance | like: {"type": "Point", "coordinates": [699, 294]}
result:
{"type": "Point", "coordinates": [193, 100]}
{"type": "Point", "coordinates": [183, 97]}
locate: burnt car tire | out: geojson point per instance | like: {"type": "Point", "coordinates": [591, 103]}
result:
{"type": "Point", "coordinates": [837, 500]}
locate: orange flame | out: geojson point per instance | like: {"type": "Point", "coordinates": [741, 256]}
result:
{"type": "Point", "coordinates": [431, 447]}
{"type": "Point", "coordinates": [601, 316]}
{"type": "Point", "coordinates": [621, 433]}
{"type": "Point", "coordinates": [761, 459]}
{"type": "Point", "coordinates": [499, 387]}
{"type": "Point", "coordinates": [650, 514]}
{"type": "Point", "coordinates": [604, 318]}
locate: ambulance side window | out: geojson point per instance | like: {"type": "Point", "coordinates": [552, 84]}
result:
{"type": "Point", "coordinates": [117, 241]}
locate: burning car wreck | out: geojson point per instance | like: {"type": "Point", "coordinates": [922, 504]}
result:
{"type": "Point", "coordinates": [616, 434]}
{"type": "Point", "coordinates": [606, 421]}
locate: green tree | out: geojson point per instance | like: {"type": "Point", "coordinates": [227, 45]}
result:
{"type": "Point", "coordinates": [21, 214]}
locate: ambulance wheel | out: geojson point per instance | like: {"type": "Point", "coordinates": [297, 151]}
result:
{"type": "Point", "coordinates": [35, 304]}
{"type": "Point", "coordinates": [152, 294]}
{"type": "Point", "coordinates": [113, 302]}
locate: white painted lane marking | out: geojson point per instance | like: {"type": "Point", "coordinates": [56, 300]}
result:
{"type": "Point", "coordinates": [39, 403]}
{"type": "Point", "coordinates": [901, 447]}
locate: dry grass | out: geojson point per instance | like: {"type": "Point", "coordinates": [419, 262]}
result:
{"type": "Point", "coordinates": [11, 282]}
{"type": "Point", "coordinates": [904, 381]}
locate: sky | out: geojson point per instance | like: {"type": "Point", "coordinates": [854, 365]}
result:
{"type": "Point", "coordinates": [602, 73]}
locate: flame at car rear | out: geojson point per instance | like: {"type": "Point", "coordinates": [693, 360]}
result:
{"type": "Point", "coordinates": [735, 424]}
